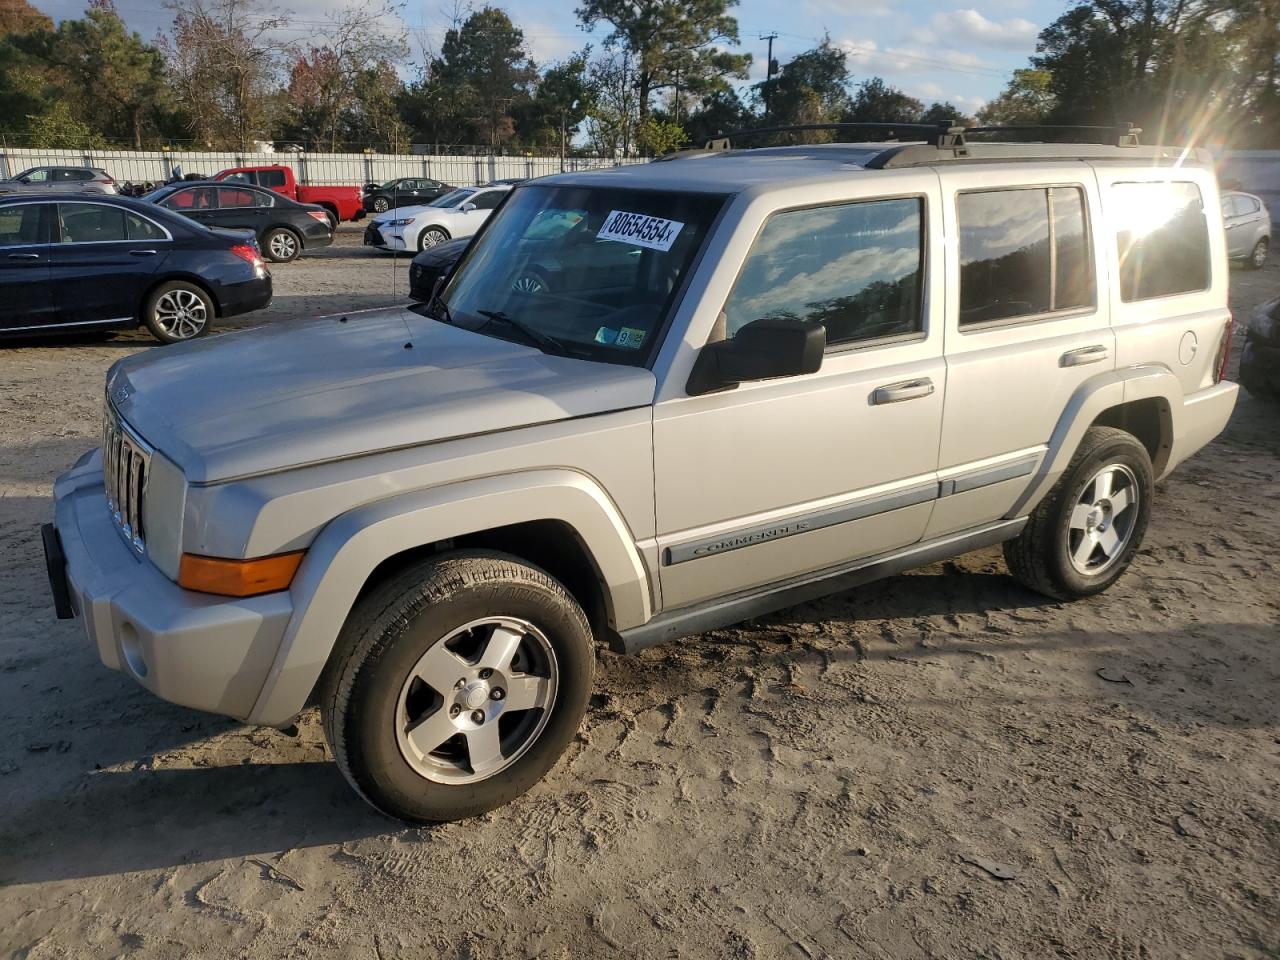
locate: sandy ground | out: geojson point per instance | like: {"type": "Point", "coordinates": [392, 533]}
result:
{"type": "Point", "coordinates": [832, 781]}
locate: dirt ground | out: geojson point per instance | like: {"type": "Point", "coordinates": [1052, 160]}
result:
{"type": "Point", "coordinates": [837, 780]}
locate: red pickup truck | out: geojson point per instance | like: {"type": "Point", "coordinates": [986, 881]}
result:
{"type": "Point", "coordinates": [343, 203]}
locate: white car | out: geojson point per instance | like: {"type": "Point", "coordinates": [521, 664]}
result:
{"type": "Point", "coordinates": [458, 213]}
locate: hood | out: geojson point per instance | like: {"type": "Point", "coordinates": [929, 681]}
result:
{"type": "Point", "coordinates": [307, 391]}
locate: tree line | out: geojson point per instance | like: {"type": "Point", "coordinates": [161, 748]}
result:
{"type": "Point", "coordinates": [663, 76]}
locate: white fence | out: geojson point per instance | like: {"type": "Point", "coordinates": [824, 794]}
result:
{"type": "Point", "coordinates": [352, 169]}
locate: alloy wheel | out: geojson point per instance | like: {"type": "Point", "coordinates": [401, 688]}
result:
{"type": "Point", "coordinates": [476, 700]}
{"type": "Point", "coordinates": [181, 314]}
{"type": "Point", "coordinates": [1102, 520]}
{"type": "Point", "coordinates": [283, 245]}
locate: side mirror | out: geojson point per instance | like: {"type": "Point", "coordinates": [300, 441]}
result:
{"type": "Point", "coordinates": [467, 207]}
{"type": "Point", "coordinates": [761, 350]}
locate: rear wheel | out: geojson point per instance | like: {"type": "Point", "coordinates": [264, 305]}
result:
{"type": "Point", "coordinates": [457, 685]}
{"type": "Point", "coordinates": [1258, 256]}
{"type": "Point", "coordinates": [381, 204]}
{"type": "Point", "coordinates": [178, 311]}
{"type": "Point", "coordinates": [1083, 535]}
{"type": "Point", "coordinates": [281, 245]}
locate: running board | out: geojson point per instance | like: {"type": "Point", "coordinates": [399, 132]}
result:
{"type": "Point", "coordinates": [723, 611]}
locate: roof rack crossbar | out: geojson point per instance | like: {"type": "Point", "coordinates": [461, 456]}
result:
{"type": "Point", "coordinates": [1118, 135]}
{"type": "Point", "coordinates": [943, 134]}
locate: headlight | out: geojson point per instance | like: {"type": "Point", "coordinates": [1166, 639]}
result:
{"type": "Point", "coordinates": [400, 223]}
{"type": "Point", "coordinates": [1264, 319]}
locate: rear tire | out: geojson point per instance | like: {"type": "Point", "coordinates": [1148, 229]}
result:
{"type": "Point", "coordinates": [381, 205]}
{"type": "Point", "coordinates": [281, 245]}
{"type": "Point", "coordinates": [409, 703]}
{"type": "Point", "coordinates": [1258, 255]}
{"type": "Point", "coordinates": [178, 311]}
{"type": "Point", "coordinates": [1083, 535]}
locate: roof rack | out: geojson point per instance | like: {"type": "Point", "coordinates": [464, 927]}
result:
{"type": "Point", "coordinates": [1120, 135]}
{"type": "Point", "coordinates": [943, 134]}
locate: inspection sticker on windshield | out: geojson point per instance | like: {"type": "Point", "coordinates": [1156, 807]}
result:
{"type": "Point", "coordinates": [655, 233]}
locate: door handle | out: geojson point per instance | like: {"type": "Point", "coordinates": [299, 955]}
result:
{"type": "Point", "coordinates": [898, 392]}
{"type": "Point", "coordinates": [24, 256]}
{"type": "Point", "coordinates": [1078, 358]}
{"type": "Point", "coordinates": [142, 253]}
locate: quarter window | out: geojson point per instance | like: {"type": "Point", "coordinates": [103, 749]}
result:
{"type": "Point", "coordinates": [1023, 252]}
{"type": "Point", "coordinates": [140, 228]}
{"type": "Point", "coordinates": [856, 268]}
{"type": "Point", "coordinates": [1162, 239]}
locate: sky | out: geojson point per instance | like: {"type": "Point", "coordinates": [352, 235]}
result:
{"type": "Point", "coordinates": [958, 50]}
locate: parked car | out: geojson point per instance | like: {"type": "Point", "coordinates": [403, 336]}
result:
{"type": "Point", "coordinates": [459, 213]}
{"type": "Point", "coordinates": [97, 262]}
{"type": "Point", "coordinates": [403, 192]}
{"type": "Point", "coordinates": [1260, 361]}
{"type": "Point", "coordinates": [763, 375]}
{"type": "Point", "coordinates": [283, 227]}
{"type": "Point", "coordinates": [1248, 225]}
{"type": "Point", "coordinates": [343, 203]}
{"type": "Point", "coordinates": [431, 265]}
{"type": "Point", "coordinates": [49, 179]}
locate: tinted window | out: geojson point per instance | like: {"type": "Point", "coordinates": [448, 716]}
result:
{"type": "Point", "coordinates": [488, 200]}
{"type": "Point", "coordinates": [37, 176]}
{"type": "Point", "coordinates": [20, 225]}
{"type": "Point", "coordinates": [195, 198]}
{"type": "Point", "coordinates": [140, 228]}
{"type": "Point", "coordinates": [855, 268]}
{"type": "Point", "coordinates": [1246, 205]}
{"type": "Point", "coordinates": [1073, 265]}
{"type": "Point", "coordinates": [232, 197]}
{"type": "Point", "coordinates": [91, 223]}
{"type": "Point", "coordinates": [271, 178]}
{"type": "Point", "coordinates": [1004, 254]}
{"type": "Point", "coordinates": [238, 178]}
{"type": "Point", "coordinates": [1162, 239]}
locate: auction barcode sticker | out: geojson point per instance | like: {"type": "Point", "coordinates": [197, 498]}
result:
{"type": "Point", "coordinates": [655, 233]}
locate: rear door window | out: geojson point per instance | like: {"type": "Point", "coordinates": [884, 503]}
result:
{"type": "Point", "coordinates": [91, 223]}
{"type": "Point", "coordinates": [194, 198]}
{"type": "Point", "coordinates": [488, 199]}
{"type": "Point", "coordinates": [271, 178]}
{"type": "Point", "coordinates": [856, 268]}
{"type": "Point", "coordinates": [1162, 238]}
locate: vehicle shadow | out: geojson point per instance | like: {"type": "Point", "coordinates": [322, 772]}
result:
{"type": "Point", "coordinates": [119, 822]}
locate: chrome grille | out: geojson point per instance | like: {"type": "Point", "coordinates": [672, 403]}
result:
{"type": "Point", "coordinates": [125, 458]}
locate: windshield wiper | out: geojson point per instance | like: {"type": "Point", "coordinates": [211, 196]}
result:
{"type": "Point", "coordinates": [444, 315]}
{"type": "Point", "coordinates": [536, 338]}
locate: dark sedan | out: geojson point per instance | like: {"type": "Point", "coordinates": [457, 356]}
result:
{"type": "Point", "coordinates": [432, 264]}
{"type": "Point", "coordinates": [403, 192]}
{"type": "Point", "coordinates": [103, 263]}
{"type": "Point", "coordinates": [284, 227]}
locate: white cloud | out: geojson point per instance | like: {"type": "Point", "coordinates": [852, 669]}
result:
{"type": "Point", "coordinates": [971, 27]}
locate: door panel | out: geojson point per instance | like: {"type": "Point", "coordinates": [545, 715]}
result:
{"type": "Point", "coordinates": [24, 267]}
{"type": "Point", "coordinates": [99, 270]}
{"type": "Point", "coordinates": [780, 478]}
{"type": "Point", "coordinates": [1019, 342]}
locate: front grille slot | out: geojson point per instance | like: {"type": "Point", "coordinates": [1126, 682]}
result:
{"type": "Point", "coordinates": [125, 458]}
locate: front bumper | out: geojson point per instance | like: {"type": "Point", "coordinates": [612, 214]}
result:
{"type": "Point", "coordinates": [387, 238]}
{"type": "Point", "coordinates": [201, 651]}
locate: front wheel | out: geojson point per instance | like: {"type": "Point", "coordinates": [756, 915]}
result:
{"type": "Point", "coordinates": [457, 685]}
{"type": "Point", "coordinates": [281, 245]}
{"type": "Point", "coordinates": [177, 311]}
{"type": "Point", "coordinates": [1083, 535]}
{"type": "Point", "coordinates": [430, 237]}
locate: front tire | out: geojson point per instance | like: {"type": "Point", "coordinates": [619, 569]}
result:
{"type": "Point", "coordinates": [1083, 535]}
{"type": "Point", "coordinates": [178, 311]}
{"type": "Point", "coordinates": [430, 237]}
{"type": "Point", "coordinates": [281, 245]}
{"type": "Point", "coordinates": [456, 686]}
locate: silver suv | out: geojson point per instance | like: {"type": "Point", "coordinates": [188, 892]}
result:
{"type": "Point", "coordinates": [63, 179]}
{"type": "Point", "coordinates": [746, 378]}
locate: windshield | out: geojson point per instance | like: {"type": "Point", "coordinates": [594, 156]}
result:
{"type": "Point", "coordinates": [452, 198]}
{"type": "Point", "coordinates": [588, 272]}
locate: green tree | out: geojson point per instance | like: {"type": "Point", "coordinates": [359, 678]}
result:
{"type": "Point", "coordinates": [877, 102]}
{"type": "Point", "coordinates": [940, 112]}
{"type": "Point", "coordinates": [564, 97]}
{"type": "Point", "coordinates": [812, 88]}
{"type": "Point", "coordinates": [671, 44]}
{"type": "Point", "coordinates": [721, 112]}
{"type": "Point", "coordinates": [1028, 99]}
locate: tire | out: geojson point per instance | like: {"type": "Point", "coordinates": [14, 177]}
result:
{"type": "Point", "coordinates": [381, 686]}
{"type": "Point", "coordinates": [1051, 555]}
{"type": "Point", "coordinates": [381, 204]}
{"type": "Point", "coordinates": [531, 281]}
{"type": "Point", "coordinates": [1262, 381]}
{"type": "Point", "coordinates": [281, 245]}
{"type": "Point", "coordinates": [1258, 255]}
{"type": "Point", "coordinates": [431, 236]}
{"type": "Point", "coordinates": [333, 220]}
{"type": "Point", "coordinates": [177, 311]}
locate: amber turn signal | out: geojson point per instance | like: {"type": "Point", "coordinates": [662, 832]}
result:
{"type": "Point", "coordinates": [238, 578]}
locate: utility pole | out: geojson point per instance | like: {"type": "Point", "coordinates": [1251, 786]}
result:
{"type": "Point", "coordinates": [770, 65]}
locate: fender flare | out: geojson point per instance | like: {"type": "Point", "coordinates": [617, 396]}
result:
{"type": "Point", "coordinates": [341, 559]}
{"type": "Point", "coordinates": [1091, 399]}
